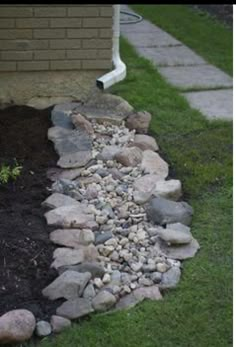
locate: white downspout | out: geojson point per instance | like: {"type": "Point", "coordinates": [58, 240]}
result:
{"type": "Point", "coordinates": [119, 72]}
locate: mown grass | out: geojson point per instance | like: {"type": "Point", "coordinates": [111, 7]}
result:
{"type": "Point", "coordinates": [205, 35]}
{"type": "Point", "coordinates": [199, 311]}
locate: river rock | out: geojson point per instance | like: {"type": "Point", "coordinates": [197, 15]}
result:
{"type": "Point", "coordinates": [170, 189]}
{"type": "Point", "coordinates": [58, 200]}
{"type": "Point", "coordinates": [75, 308]}
{"type": "Point", "coordinates": [73, 238]}
{"type": "Point", "coordinates": [68, 285]}
{"type": "Point", "coordinates": [139, 121]}
{"type": "Point", "coordinates": [152, 163]}
{"type": "Point", "coordinates": [16, 326]}
{"type": "Point", "coordinates": [170, 278]}
{"type": "Point", "coordinates": [144, 142]}
{"type": "Point", "coordinates": [59, 323]}
{"type": "Point", "coordinates": [175, 233]}
{"type": "Point", "coordinates": [129, 156]}
{"type": "Point", "coordinates": [43, 328]}
{"type": "Point", "coordinates": [82, 123]}
{"type": "Point", "coordinates": [163, 211]}
{"type": "Point", "coordinates": [103, 301]}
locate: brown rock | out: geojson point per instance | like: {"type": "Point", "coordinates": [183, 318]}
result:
{"type": "Point", "coordinates": [139, 121]}
{"type": "Point", "coordinates": [144, 142]}
{"type": "Point", "coordinates": [130, 156]}
{"type": "Point", "coordinates": [59, 323]}
{"type": "Point", "coordinates": [82, 123]}
{"type": "Point", "coordinates": [16, 326]}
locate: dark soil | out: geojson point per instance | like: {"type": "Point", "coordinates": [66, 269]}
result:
{"type": "Point", "coordinates": [25, 249]}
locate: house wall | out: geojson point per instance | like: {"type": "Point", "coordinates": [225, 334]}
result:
{"type": "Point", "coordinates": [55, 37]}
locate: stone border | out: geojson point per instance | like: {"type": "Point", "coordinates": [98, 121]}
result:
{"type": "Point", "coordinates": [120, 228]}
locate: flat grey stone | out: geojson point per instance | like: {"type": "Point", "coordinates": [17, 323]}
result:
{"type": "Point", "coordinates": [96, 269]}
{"type": "Point", "coordinates": [171, 56]}
{"type": "Point", "coordinates": [150, 39]}
{"type": "Point", "coordinates": [66, 256]}
{"type": "Point", "coordinates": [57, 200]}
{"type": "Point", "coordinates": [170, 278]}
{"type": "Point", "coordinates": [142, 27]}
{"type": "Point", "coordinates": [73, 238]}
{"type": "Point", "coordinates": [163, 211]}
{"type": "Point", "coordinates": [75, 308]}
{"type": "Point", "coordinates": [74, 142]}
{"type": "Point", "coordinates": [56, 133]}
{"type": "Point", "coordinates": [75, 160]}
{"type": "Point", "coordinates": [200, 76]}
{"type": "Point", "coordinates": [68, 285]}
{"type": "Point", "coordinates": [69, 217]}
{"type": "Point", "coordinates": [181, 252]}
{"type": "Point", "coordinates": [214, 104]}
{"type": "Point", "coordinates": [103, 301]}
{"type": "Point", "coordinates": [60, 115]}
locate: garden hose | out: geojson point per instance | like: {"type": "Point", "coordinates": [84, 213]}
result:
{"type": "Point", "coordinates": [139, 18]}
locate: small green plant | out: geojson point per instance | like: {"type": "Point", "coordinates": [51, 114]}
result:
{"type": "Point", "coordinates": [7, 172]}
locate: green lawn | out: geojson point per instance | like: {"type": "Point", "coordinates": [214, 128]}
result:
{"type": "Point", "coordinates": [207, 36]}
{"type": "Point", "coordinates": [198, 313]}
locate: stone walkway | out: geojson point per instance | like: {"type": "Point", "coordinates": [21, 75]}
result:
{"type": "Point", "coordinates": [183, 68]}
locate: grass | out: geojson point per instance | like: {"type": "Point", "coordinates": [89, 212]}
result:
{"type": "Point", "coordinates": [199, 311]}
{"type": "Point", "coordinates": [196, 29]}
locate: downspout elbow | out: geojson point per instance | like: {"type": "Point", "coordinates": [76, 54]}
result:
{"type": "Point", "coordinates": [119, 72]}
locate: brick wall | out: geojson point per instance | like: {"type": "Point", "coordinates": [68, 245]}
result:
{"type": "Point", "coordinates": [55, 37]}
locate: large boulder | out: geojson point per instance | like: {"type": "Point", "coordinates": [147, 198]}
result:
{"type": "Point", "coordinates": [139, 121]}
{"type": "Point", "coordinates": [68, 285]}
{"type": "Point", "coordinates": [163, 211]}
{"type": "Point", "coordinates": [152, 163]}
{"type": "Point", "coordinates": [103, 301]}
{"type": "Point", "coordinates": [144, 142]}
{"type": "Point", "coordinates": [16, 326]}
{"type": "Point", "coordinates": [69, 217]}
{"type": "Point", "coordinates": [58, 200]}
{"type": "Point", "coordinates": [73, 238]}
{"type": "Point", "coordinates": [59, 323]}
{"type": "Point", "coordinates": [170, 278]}
{"type": "Point", "coordinates": [75, 308]}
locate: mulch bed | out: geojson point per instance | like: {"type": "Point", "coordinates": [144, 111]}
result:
{"type": "Point", "coordinates": [25, 249]}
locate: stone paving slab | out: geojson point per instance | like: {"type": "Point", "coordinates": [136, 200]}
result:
{"type": "Point", "coordinates": [142, 27]}
{"type": "Point", "coordinates": [212, 103]}
{"type": "Point", "coordinates": [150, 39]}
{"type": "Point", "coordinates": [200, 76]}
{"type": "Point", "coordinates": [171, 56]}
